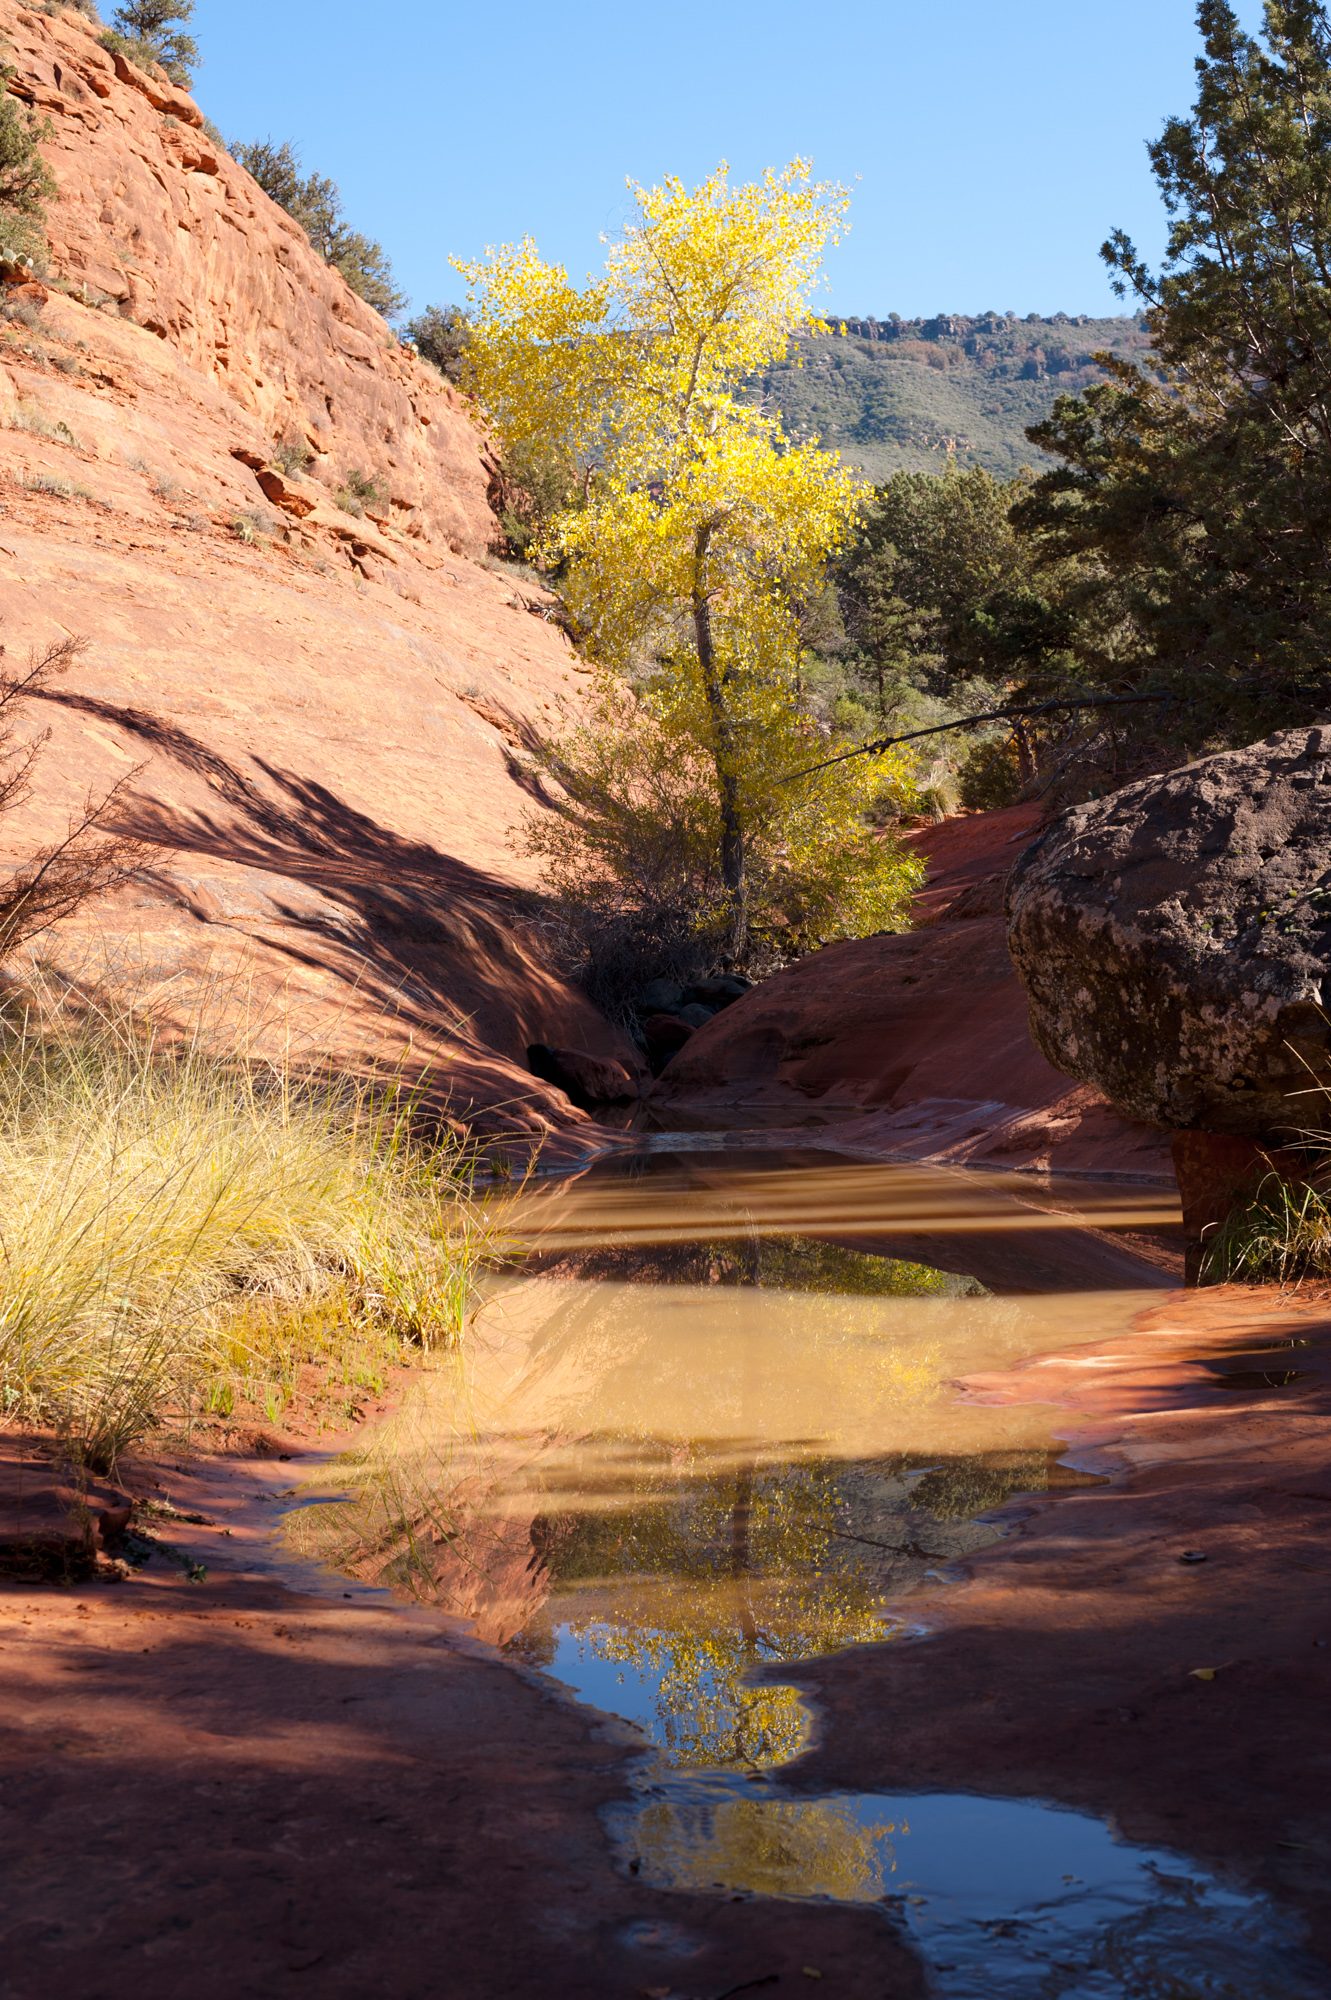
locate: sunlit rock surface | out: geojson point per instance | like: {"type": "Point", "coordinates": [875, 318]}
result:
{"type": "Point", "coordinates": [317, 715]}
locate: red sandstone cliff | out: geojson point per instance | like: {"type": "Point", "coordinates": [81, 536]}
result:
{"type": "Point", "coordinates": [324, 715]}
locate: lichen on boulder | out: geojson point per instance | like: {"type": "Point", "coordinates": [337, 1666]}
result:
{"type": "Point", "coordinates": [1174, 941]}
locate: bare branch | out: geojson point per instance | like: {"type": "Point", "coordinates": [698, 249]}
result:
{"type": "Point", "coordinates": [885, 743]}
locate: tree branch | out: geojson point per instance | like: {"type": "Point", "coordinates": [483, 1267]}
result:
{"type": "Point", "coordinates": [885, 743]}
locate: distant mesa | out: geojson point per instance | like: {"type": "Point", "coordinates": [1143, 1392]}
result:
{"type": "Point", "coordinates": [893, 394]}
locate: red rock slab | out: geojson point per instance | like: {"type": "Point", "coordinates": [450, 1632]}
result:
{"type": "Point", "coordinates": [927, 1029]}
{"type": "Point", "coordinates": [968, 851]}
{"type": "Point", "coordinates": [53, 1521]}
{"type": "Point", "coordinates": [322, 723]}
{"type": "Point", "coordinates": [914, 1044]}
{"type": "Point", "coordinates": [157, 218]}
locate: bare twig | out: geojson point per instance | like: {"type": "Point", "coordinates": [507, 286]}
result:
{"type": "Point", "coordinates": [89, 859]}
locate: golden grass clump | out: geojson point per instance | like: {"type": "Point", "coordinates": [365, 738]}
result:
{"type": "Point", "coordinates": [1281, 1235]}
{"type": "Point", "coordinates": [178, 1224]}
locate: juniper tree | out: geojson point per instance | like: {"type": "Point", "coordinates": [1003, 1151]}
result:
{"type": "Point", "coordinates": [440, 333]}
{"type": "Point", "coordinates": [157, 26]}
{"type": "Point", "coordinates": [26, 182]}
{"type": "Point", "coordinates": [315, 202]}
{"type": "Point", "coordinates": [1199, 489]}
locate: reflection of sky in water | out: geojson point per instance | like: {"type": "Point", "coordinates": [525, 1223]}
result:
{"type": "Point", "coordinates": [711, 1719]}
{"type": "Point", "coordinates": [1007, 1900]}
{"type": "Point", "coordinates": [732, 1446]}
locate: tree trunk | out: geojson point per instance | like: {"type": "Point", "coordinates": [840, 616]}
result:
{"type": "Point", "coordinates": [740, 1560]}
{"type": "Point", "coordinates": [713, 680]}
{"type": "Point", "coordinates": [1026, 765]}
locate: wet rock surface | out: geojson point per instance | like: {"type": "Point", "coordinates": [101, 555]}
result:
{"type": "Point", "coordinates": [1090, 1658]}
{"type": "Point", "coordinates": [1174, 940]}
{"type": "Point", "coordinates": [257, 1780]}
{"type": "Point", "coordinates": [245, 1786]}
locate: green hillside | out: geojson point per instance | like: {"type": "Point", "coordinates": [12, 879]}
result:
{"type": "Point", "coordinates": [894, 393]}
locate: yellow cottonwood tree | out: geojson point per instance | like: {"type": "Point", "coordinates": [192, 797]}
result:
{"type": "Point", "coordinates": [698, 533]}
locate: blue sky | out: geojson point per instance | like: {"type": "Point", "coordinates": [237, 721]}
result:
{"type": "Point", "coordinates": [990, 144]}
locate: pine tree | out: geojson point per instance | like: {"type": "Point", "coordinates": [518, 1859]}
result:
{"type": "Point", "coordinates": [315, 202]}
{"type": "Point", "coordinates": [26, 182]}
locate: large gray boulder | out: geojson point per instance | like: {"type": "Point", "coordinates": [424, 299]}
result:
{"type": "Point", "coordinates": [1175, 941]}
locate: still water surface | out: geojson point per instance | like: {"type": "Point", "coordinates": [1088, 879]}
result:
{"type": "Point", "coordinates": [712, 1428]}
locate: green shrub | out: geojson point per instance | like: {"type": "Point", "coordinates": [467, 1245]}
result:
{"type": "Point", "coordinates": [440, 336]}
{"type": "Point", "coordinates": [358, 491]}
{"type": "Point", "coordinates": [315, 202]}
{"type": "Point", "coordinates": [42, 482]}
{"type": "Point", "coordinates": [292, 454]}
{"type": "Point", "coordinates": [365, 266]}
{"type": "Point", "coordinates": [25, 417]}
{"type": "Point", "coordinates": [253, 527]}
{"type": "Point", "coordinates": [140, 53]}
{"type": "Point", "coordinates": [26, 182]}
{"type": "Point", "coordinates": [155, 29]}
{"type": "Point", "coordinates": [1281, 1234]}
{"type": "Point", "coordinates": [988, 776]}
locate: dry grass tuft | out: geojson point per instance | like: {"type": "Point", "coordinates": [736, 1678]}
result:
{"type": "Point", "coordinates": [1281, 1235]}
{"type": "Point", "coordinates": [182, 1227]}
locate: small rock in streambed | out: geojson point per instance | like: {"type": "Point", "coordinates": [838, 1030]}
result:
{"type": "Point", "coordinates": [660, 996]}
{"type": "Point", "coordinates": [723, 991]}
{"type": "Point", "coordinates": [664, 1035]}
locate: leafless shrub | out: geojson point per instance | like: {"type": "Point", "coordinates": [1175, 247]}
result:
{"type": "Point", "coordinates": [89, 859]}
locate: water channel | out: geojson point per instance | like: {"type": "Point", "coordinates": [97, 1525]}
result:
{"type": "Point", "coordinates": [712, 1425]}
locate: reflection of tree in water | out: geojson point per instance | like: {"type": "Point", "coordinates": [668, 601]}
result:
{"type": "Point", "coordinates": [736, 1575]}
{"type": "Point", "coordinates": [804, 1264]}
{"type": "Point", "coordinates": [792, 1263]}
{"type": "Point", "coordinates": [770, 1847]}
{"type": "Point", "coordinates": [961, 1487]}
{"type": "Point", "coordinates": [740, 1568]}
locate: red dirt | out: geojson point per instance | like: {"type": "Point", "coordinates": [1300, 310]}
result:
{"type": "Point", "coordinates": [238, 1787]}
{"type": "Point", "coordinates": [916, 1044]}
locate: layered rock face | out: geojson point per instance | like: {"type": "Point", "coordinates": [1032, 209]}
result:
{"type": "Point", "coordinates": [1174, 941]}
{"type": "Point", "coordinates": [156, 220]}
{"type": "Point", "coordinates": [320, 718]}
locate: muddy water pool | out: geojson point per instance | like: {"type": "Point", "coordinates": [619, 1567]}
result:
{"type": "Point", "coordinates": [714, 1424]}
